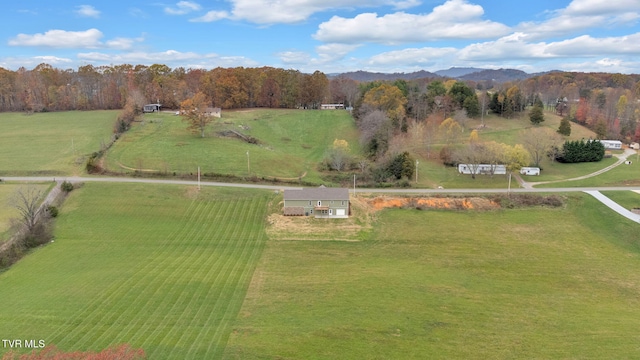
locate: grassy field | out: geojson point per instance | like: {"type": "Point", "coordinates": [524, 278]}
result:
{"type": "Point", "coordinates": [627, 199]}
{"type": "Point", "coordinates": [51, 143]}
{"type": "Point", "coordinates": [513, 284]}
{"type": "Point", "coordinates": [292, 143]}
{"type": "Point", "coordinates": [162, 268]}
{"type": "Point", "coordinates": [622, 175]}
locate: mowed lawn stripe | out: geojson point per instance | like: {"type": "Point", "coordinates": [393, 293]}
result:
{"type": "Point", "coordinates": [224, 276]}
{"type": "Point", "coordinates": [95, 309]}
{"type": "Point", "coordinates": [222, 333]}
{"type": "Point", "coordinates": [165, 308]}
{"type": "Point", "coordinates": [173, 316]}
{"type": "Point", "coordinates": [185, 259]}
{"type": "Point", "coordinates": [226, 305]}
{"type": "Point", "coordinates": [125, 311]}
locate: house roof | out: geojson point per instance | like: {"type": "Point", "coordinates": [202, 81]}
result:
{"type": "Point", "coordinates": [321, 193]}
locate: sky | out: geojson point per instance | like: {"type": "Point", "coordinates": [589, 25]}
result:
{"type": "Point", "coordinates": [332, 36]}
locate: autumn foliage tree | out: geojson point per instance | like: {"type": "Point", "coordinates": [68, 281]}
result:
{"type": "Point", "coordinates": [194, 112]}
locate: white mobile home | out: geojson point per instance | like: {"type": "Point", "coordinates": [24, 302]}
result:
{"type": "Point", "coordinates": [530, 171]}
{"type": "Point", "coordinates": [482, 169]}
{"type": "Point", "coordinates": [612, 144]}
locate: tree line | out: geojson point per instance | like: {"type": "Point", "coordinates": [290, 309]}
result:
{"type": "Point", "coordinates": [46, 88]}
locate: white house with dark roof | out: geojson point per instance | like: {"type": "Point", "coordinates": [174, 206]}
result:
{"type": "Point", "coordinates": [320, 202]}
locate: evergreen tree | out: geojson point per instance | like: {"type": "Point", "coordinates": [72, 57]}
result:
{"type": "Point", "coordinates": [565, 126]}
{"type": "Point", "coordinates": [536, 115]}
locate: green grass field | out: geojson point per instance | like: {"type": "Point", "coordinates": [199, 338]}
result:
{"type": "Point", "coordinates": [627, 199]}
{"type": "Point", "coordinates": [159, 267]}
{"type": "Point", "coordinates": [513, 284]}
{"type": "Point", "coordinates": [292, 143]}
{"type": "Point", "coordinates": [622, 175]}
{"type": "Point", "coordinates": [52, 143]}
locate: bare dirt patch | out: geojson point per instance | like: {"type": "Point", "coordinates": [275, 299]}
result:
{"type": "Point", "coordinates": [444, 203]}
{"type": "Point", "coordinates": [309, 228]}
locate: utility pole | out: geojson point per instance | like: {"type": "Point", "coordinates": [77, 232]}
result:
{"type": "Point", "coordinates": [198, 178]}
{"type": "Point", "coordinates": [417, 170]}
{"type": "Point", "coordinates": [354, 184]}
{"type": "Point", "coordinates": [248, 164]}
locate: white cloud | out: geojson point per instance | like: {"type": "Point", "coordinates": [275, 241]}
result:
{"type": "Point", "coordinates": [169, 57]}
{"type": "Point", "coordinates": [123, 43]}
{"type": "Point", "coordinates": [455, 19]}
{"type": "Point", "coordinates": [601, 7]}
{"type": "Point", "coordinates": [87, 11]}
{"type": "Point", "coordinates": [581, 15]}
{"type": "Point", "coordinates": [31, 62]}
{"type": "Point", "coordinates": [427, 56]}
{"type": "Point", "coordinates": [294, 57]}
{"type": "Point", "coordinates": [515, 46]}
{"type": "Point", "coordinates": [183, 7]}
{"type": "Point", "coordinates": [294, 11]}
{"type": "Point", "coordinates": [60, 39]}
{"type": "Point", "coordinates": [333, 52]}
{"type": "Point", "coordinates": [212, 16]}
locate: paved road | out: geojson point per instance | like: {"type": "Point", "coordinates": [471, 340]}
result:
{"type": "Point", "coordinates": [280, 187]}
{"type": "Point", "coordinates": [594, 191]}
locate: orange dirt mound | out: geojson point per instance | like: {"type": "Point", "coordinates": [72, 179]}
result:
{"type": "Point", "coordinates": [474, 203]}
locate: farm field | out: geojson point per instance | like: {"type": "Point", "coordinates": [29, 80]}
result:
{"type": "Point", "coordinates": [292, 143]}
{"type": "Point", "coordinates": [161, 268]}
{"type": "Point", "coordinates": [56, 143]}
{"type": "Point", "coordinates": [507, 284]}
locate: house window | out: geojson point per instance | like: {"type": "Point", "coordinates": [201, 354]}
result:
{"type": "Point", "coordinates": [311, 211]}
{"type": "Point", "coordinates": [330, 211]}
{"type": "Point", "coordinates": [319, 203]}
{"type": "Point", "coordinates": [342, 202]}
{"type": "Point", "coordinates": [309, 202]}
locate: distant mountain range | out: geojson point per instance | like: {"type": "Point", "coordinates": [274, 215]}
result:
{"type": "Point", "coordinates": [470, 73]}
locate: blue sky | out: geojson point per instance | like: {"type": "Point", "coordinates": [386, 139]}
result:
{"type": "Point", "coordinates": [332, 36]}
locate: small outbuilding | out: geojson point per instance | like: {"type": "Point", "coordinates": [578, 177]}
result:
{"type": "Point", "coordinates": [634, 146]}
{"type": "Point", "coordinates": [149, 108]}
{"type": "Point", "coordinates": [331, 106]}
{"type": "Point", "coordinates": [321, 202]}
{"type": "Point", "coordinates": [530, 171]}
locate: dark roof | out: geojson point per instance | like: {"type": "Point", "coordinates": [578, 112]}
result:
{"type": "Point", "coordinates": [317, 194]}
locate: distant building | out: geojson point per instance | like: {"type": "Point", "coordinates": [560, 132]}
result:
{"type": "Point", "coordinates": [530, 171]}
{"type": "Point", "coordinates": [151, 108]}
{"type": "Point", "coordinates": [331, 106]}
{"type": "Point", "coordinates": [320, 202]}
{"type": "Point", "coordinates": [482, 169]}
{"type": "Point", "coordinates": [214, 111]}
{"type": "Point", "coordinates": [634, 146]}
{"type": "Point", "coordinates": [612, 144]}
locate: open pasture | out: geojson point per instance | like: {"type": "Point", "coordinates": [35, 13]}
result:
{"type": "Point", "coordinates": [507, 284]}
{"type": "Point", "coordinates": [56, 143]}
{"type": "Point", "coordinates": [291, 143]}
{"type": "Point", "coordinates": [162, 268]}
